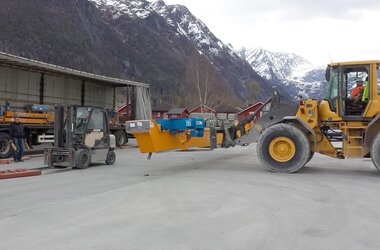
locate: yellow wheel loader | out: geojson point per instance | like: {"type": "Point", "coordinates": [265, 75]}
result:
{"type": "Point", "coordinates": [345, 124]}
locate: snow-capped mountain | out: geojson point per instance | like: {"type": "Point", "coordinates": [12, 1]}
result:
{"type": "Point", "coordinates": [168, 20]}
{"type": "Point", "coordinates": [140, 40]}
{"type": "Point", "coordinates": [178, 16]}
{"type": "Point", "coordinates": [300, 77]}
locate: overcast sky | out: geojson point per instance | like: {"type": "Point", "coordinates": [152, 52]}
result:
{"type": "Point", "coordinates": [319, 30]}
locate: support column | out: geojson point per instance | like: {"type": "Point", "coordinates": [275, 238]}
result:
{"type": "Point", "coordinates": [114, 99]}
{"type": "Point", "coordinates": [42, 88]}
{"type": "Point", "coordinates": [127, 103]}
{"type": "Point", "coordinates": [83, 93]}
{"type": "Point", "coordinates": [133, 102]}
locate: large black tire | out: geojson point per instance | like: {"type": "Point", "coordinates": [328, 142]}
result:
{"type": "Point", "coordinates": [311, 154]}
{"type": "Point", "coordinates": [283, 148]}
{"type": "Point", "coordinates": [5, 146]}
{"type": "Point", "coordinates": [375, 151]}
{"type": "Point", "coordinates": [121, 138]}
{"type": "Point", "coordinates": [111, 157]}
{"type": "Point", "coordinates": [82, 158]}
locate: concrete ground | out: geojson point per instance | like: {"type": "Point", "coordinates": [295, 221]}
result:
{"type": "Point", "coordinates": [193, 200]}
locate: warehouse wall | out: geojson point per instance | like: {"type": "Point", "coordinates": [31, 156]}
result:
{"type": "Point", "coordinates": [62, 90]}
{"type": "Point", "coordinates": [21, 87]}
{"type": "Point", "coordinates": [99, 95]}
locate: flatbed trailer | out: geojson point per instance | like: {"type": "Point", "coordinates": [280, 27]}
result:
{"type": "Point", "coordinates": [25, 82]}
{"type": "Point", "coordinates": [44, 133]}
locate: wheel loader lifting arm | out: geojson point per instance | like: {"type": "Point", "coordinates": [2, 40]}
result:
{"type": "Point", "coordinates": [230, 134]}
{"type": "Point", "coordinates": [237, 135]}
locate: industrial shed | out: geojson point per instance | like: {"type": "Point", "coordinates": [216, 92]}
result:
{"type": "Point", "coordinates": [25, 81]}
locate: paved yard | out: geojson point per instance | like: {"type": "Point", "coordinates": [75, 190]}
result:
{"type": "Point", "coordinates": [193, 200]}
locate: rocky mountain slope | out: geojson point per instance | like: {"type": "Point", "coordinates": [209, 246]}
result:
{"type": "Point", "coordinates": [140, 40]}
{"type": "Point", "coordinates": [300, 77]}
{"type": "Point", "coordinates": [185, 37]}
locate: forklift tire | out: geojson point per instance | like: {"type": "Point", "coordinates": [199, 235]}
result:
{"type": "Point", "coordinates": [111, 158]}
{"type": "Point", "coordinates": [82, 158]}
{"type": "Point", "coordinates": [375, 151]}
{"type": "Point", "coordinates": [283, 148]}
{"type": "Point", "coordinates": [5, 146]}
{"type": "Point", "coordinates": [121, 138]}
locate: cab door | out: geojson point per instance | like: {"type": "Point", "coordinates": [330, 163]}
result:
{"type": "Point", "coordinates": [373, 92]}
{"type": "Point", "coordinates": [353, 80]}
{"type": "Point", "coordinates": [97, 135]}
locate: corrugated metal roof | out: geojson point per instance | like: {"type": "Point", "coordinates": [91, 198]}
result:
{"type": "Point", "coordinates": [251, 106]}
{"type": "Point", "coordinates": [177, 111]}
{"type": "Point", "coordinates": [227, 109]}
{"type": "Point", "coordinates": [33, 65]}
{"type": "Point", "coordinates": [161, 107]}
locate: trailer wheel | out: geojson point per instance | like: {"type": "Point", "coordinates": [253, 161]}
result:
{"type": "Point", "coordinates": [82, 158]}
{"type": "Point", "coordinates": [121, 138]}
{"type": "Point", "coordinates": [5, 146]}
{"type": "Point", "coordinates": [375, 151]}
{"type": "Point", "coordinates": [283, 148]}
{"type": "Point", "coordinates": [111, 157]}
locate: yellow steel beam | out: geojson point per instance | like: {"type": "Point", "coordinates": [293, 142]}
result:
{"type": "Point", "coordinates": [154, 140]}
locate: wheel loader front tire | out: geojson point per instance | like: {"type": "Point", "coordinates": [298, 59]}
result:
{"type": "Point", "coordinates": [375, 151]}
{"type": "Point", "coordinates": [311, 155]}
{"type": "Point", "coordinates": [283, 148]}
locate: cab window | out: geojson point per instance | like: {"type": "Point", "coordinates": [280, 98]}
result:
{"type": "Point", "coordinates": [331, 92]}
{"type": "Point", "coordinates": [97, 120]}
{"type": "Point", "coordinates": [355, 89]}
{"type": "Point", "coordinates": [354, 80]}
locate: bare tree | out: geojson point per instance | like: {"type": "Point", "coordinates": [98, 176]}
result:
{"type": "Point", "coordinates": [211, 90]}
{"type": "Point", "coordinates": [252, 92]}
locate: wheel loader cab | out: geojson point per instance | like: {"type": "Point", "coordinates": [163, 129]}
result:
{"type": "Point", "coordinates": [352, 89]}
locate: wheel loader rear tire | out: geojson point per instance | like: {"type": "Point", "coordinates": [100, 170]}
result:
{"type": "Point", "coordinates": [283, 148]}
{"type": "Point", "coordinates": [375, 151]}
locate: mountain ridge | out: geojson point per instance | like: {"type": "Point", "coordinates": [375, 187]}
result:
{"type": "Point", "coordinates": [298, 75]}
{"type": "Point", "coordinates": [139, 40]}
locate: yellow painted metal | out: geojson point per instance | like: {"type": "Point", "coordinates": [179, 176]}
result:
{"type": "Point", "coordinates": [353, 141]}
{"type": "Point", "coordinates": [372, 62]}
{"type": "Point", "coordinates": [156, 140]}
{"type": "Point", "coordinates": [373, 106]}
{"type": "Point", "coordinates": [247, 127]}
{"type": "Point", "coordinates": [282, 149]}
{"type": "Point", "coordinates": [325, 113]}
{"type": "Point", "coordinates": [27, 117]}
{"type": "Point", "coordinates": [309, 112]}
